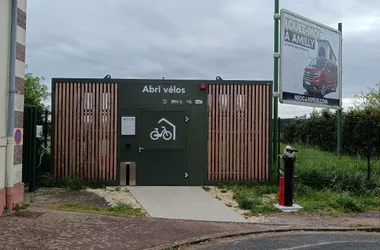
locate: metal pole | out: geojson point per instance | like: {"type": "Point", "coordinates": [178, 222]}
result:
{"type": "Point", "coordinates": [275, 79]}
{"type": "Point", "coordinates": [340, 109]}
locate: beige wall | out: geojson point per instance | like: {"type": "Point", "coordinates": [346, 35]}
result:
{"type": "Point", "coordinates": [5, 10]}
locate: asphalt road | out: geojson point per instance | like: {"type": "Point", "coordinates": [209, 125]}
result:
{"type": "Point", "coordinates": [298, 240]}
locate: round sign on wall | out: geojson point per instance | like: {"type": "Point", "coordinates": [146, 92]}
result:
{"type": "Point", "coordinates": [18, 136]}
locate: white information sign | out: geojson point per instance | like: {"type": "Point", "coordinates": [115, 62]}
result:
{"type": "Point", "coordinates": [128, 125]}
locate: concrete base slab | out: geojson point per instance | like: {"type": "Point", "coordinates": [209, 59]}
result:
{"type": "Point", "coordinates": [285, 209]}
{"type": "Point", "coordinates": [187, 203]}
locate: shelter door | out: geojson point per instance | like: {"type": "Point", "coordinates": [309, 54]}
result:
{"type": "Point", "coordinates": [162, 146]}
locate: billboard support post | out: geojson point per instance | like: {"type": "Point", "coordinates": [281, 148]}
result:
{"type": "Point", "coordinates": [275, 78]}
{"type": "Point", "coordinates": [340, 110]}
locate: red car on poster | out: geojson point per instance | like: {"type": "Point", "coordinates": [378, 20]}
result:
{"type": "Point", "coordinates": [320, 77]}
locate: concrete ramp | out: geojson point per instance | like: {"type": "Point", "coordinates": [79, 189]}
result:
{"type": "Point", "coordinates": [188, 203]}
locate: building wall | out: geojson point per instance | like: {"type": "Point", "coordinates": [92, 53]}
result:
{"type": "Point", "coordinates": [11, 193]}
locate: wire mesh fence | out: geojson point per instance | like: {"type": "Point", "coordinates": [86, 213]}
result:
{"type": "Point", "coordinates": [318, 164]}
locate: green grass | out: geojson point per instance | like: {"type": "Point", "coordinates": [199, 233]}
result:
{"type": "Point", "coordinates": [325, 170]}
{"type": "Point", "coordinates": [120, 209]}
{"type": "Point", "coordinates": [259, 199]}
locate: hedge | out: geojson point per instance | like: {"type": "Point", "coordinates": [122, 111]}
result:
{"type": "Point", "coordinates": [321, 130]}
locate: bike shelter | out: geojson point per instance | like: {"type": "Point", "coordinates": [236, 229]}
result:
{"type": "Point", "coordinates": [163, 130]}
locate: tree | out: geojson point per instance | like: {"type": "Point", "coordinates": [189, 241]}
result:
{"type": "Point", "coordinates": [370, 101]}
{"type": "Point", "coordinates": [35, 92]}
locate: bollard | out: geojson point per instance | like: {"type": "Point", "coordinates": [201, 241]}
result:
{"type": "Point", "coordinates": [289, 157]}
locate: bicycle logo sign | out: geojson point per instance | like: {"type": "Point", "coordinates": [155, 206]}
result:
{"type": "Point", "coordinates": [164, 133]}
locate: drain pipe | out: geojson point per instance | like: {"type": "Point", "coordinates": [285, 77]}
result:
{"type": "Point", "coordinates": [11, 99]}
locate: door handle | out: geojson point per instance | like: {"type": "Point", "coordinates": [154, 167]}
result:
{"type": "Point", "coordinates": [140, 149]}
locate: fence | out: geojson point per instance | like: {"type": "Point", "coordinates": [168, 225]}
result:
{"type": "Point", "coordinates": [85, 130]}
{"type": "Point", "coordinates": [239, 132]}
{"type": "Point", "coordinates": [318, 164]}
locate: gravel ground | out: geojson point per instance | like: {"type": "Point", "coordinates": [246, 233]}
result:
{"type": "Point", "coordinates": [227, 198]}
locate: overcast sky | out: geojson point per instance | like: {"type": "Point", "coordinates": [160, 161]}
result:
{"type": "Point", "coordinates": [190, 39]}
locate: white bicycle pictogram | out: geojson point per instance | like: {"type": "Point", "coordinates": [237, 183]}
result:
{"type": "Point", "coordinates": [165, 134]}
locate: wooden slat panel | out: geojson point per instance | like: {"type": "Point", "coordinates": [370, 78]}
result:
{"type": "Point", "coordinates": [223, 125]}
{"type": "Point", "coordinates": [106, 133]}
{"type": "Point", "coordinates": [93, 117]}
{"type": "Point", "coordinates": [209, 137]}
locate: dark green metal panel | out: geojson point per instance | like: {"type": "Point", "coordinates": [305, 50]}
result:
{"type": "Point", "coordinates": [162, 145]}
{"type": "Point", "coordinates": [165, 162]}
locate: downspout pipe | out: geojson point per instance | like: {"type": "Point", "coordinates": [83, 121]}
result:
{"type": "Point", "coordinates": [11, 98]}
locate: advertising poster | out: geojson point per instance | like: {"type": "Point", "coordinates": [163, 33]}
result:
{"type": "Point", "coordinates": [310, 62]}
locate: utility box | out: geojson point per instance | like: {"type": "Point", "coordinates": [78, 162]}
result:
{"type": "Point", "coordinates": [39, 131]}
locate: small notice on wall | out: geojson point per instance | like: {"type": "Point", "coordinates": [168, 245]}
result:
{"type": "Point", "coordinates": [128, 125]}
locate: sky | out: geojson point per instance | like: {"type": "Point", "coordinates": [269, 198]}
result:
{"type": "Point", "coordinates": [190, 39]}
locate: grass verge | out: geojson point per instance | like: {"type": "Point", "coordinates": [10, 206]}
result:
{"type": "Point", "coordinates": [120, 209]}
{"type": "Point", "coordinates": [259, 200]}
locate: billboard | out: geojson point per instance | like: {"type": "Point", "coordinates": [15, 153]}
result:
{"type": "Point", "coordinates": [310, 62]}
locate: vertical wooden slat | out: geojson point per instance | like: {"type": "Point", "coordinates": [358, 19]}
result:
{"type": "Point", "coordinates": [100, 124]}
{"type": "Point", "coordinates": [266, 119]}
{"type": "Point", "coordinates": [106, 119]}
{"type": "Point", "coordinates": [209, 110]}
{"type": "Point", "coordinates": [213, 118]}
{"type": "Point", "coordinates": [250, 130]}
{"type": "Point", "coordinates": [109, 152]}
{"type": "Point", "coordinates": [238, 172]}
{"type": "Point", "coordinates": [96, 128]}
{"type": "Point", "coordinates": [92, 90]}
{"type": "Point", "coordinates": [66, 140]}
{"type": "Point", "coordinates": [80, 150]}
{"type": "Point", "coordinates": [102, 130]}
{"type": "Point", "coordinates": [110, 122]}
{"type": "Point", "coordinates": [246, 132]}
{"type": "Point", "coordinates": [256, 132]}
{"type": "Point", "coordinates": [234, 141]}
{"type": "Point", "coordinates": [221, 137]}
{"type": "Point", "coordinates": [115, 133]}
{"type": "Point", "coordinates": [217, 129]}
{"type": "Point", "coordinates": [223, 148]}
{"type": "Point", "coordinates": [73, 125]}
{"type": "Point", "coordinates": [86, 130]}
{"type": "Point", "coordinates": [228, 115]}
{"type": "Point", "coordinates": [261, 132]}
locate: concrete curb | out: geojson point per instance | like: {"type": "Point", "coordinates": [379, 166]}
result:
{"type": "Point", "coordinates": [198, 240]}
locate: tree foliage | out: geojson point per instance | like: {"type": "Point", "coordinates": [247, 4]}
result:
{"type": "Point", "coordinates": [370, 101]}
{"type": "Point", "coordinates": [35, 92]}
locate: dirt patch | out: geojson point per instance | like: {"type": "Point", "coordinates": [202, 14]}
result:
{"type": "Point", "coordinates": [116, 195]}
{"type": "Point", "coordinates": [53, 197]}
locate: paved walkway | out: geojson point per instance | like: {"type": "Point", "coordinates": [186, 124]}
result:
{"type": "Point", "coordinates": [187, 203]}
{"type": "Point", "coordinates": [71, 230]}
